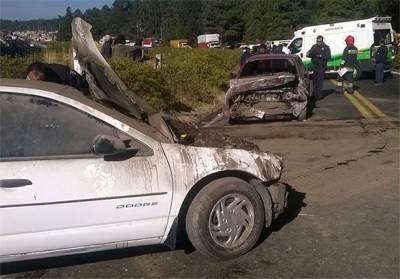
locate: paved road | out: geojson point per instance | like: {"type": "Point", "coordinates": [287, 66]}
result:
{"type": "Point", "coordinates": [343, 214]}
{"type": "Point", "coordinates": [369, 101]}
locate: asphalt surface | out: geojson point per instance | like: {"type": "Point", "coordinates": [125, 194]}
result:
{"type": "Point", "coordinates": [342, 218]}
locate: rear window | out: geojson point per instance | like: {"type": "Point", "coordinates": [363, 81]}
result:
{"type": "Point", "coordinates": [268, 67]}
{"type": "Point", "coordinates": [382, 34]}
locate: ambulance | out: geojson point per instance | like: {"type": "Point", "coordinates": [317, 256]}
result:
{"type": "Point", "coordinates": [367, 34]}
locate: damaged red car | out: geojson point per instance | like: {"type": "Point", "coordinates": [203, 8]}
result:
{"type": "Point", "coordinates": [269, 86]}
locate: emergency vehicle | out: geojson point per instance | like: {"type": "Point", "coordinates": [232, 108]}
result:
{"type": "Point", "coordinates": [367, 34]}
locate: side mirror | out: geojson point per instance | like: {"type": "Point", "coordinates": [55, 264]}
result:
{"type": "Point", "coordinates": [113, 149]}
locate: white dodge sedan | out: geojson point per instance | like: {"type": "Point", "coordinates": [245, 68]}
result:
{"type": "Point", "coordinates": [80, 175]}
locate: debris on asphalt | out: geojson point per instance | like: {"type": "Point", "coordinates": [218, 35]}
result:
{"type": "Point", "coordinates": [191, 134]}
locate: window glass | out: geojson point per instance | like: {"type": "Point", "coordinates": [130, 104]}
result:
{"type": "Point", "coordinates": [268, 67]}
{"type": "Point", "coordinates": [33, 126]}
{"type": "Point", "coordinates": [382, 34]}
{"type": "Point", "coordinates": [295, 46]}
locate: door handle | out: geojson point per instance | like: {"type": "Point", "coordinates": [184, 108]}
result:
{"type": "Point", "coordinates": [14, 183]}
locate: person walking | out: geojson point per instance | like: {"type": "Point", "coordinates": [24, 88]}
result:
{"type": "Point", "coordinates": [349, 61]}
{"type": "Point", "coordinates": [319, 53]}
{"type": "Point", "coordinates": [380, 62]}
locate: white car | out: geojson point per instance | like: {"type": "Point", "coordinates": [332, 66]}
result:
{"type": "Point", "coordinates": [79, 176]}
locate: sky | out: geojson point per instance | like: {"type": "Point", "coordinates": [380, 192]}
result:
{"type": "Point", "coordinates": [44, 9]}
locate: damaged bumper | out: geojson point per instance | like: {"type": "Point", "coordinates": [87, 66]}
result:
{"type": "Point", "coordinates": [260, 104]}
{"type": "Point", "coordinates": [274, 197]}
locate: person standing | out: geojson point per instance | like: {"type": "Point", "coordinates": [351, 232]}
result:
{"type": "Point", "coordinates": [380, 62]}
{"type": "Point", "coordinates": [246, 54]}
{"type": "Point", "coordinates": [262, 49]}
{"type": "Point", "coordinates": [119, 49]}
{"type": "Point", "coordinates": [349, 61]}
{"type": "Point", "coordinates": [106, 51]}
{"type": "Point", "coordinates": [319, 53]}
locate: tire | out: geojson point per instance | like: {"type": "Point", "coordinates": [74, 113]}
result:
{"type": "Point", "coordinates": [228, 235]}
{"type": "Point", "coordinates": [357, 72]}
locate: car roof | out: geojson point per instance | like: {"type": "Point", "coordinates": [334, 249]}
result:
{"type": "Point", "coordinates": [76, 95]}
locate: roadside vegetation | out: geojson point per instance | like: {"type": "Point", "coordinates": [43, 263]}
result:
{"type": "Point", "coordinates": [188, 78]}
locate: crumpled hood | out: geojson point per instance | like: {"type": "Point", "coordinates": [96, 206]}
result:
{"type": "Point", "coordinates": [105, 83]}
{"type": "Point", "coordinates": [191, 164]}
{"type": "Point", "coordinates": [261, 82]}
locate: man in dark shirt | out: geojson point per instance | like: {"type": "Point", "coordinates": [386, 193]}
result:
{"type": "Point", "coordinates": [57, 73]}
{"type": "Point", "coordinates": [245, 55]}
{"type": "Point", "coordinates": [106, 50]}
{"type": "Point", "coordinates": [349, 61]}
{"type": "Point", "coordinates": [319, 53]}
{"type": "Point", "coordinates": [380, 62]}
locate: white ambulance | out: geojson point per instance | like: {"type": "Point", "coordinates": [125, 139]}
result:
{"type": "Point", "coordinates": [367, 34]}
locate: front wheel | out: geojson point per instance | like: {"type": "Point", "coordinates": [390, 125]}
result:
{"type": "Point", "coordinates": [225, 219]}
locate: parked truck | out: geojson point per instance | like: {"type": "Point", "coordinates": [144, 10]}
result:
{"type": "Point", "coordinates": [208, 41]}
{"type": "Point", "coordinates": [179, 43]}
{"type": "Point", "coordinates": [367, 34]}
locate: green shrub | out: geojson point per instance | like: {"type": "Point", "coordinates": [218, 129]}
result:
{"type": "Point", "coordinates": [59, 53]}
{"type": "Point", "coordinates": [186, 79]}
{"type": "Point", "coordinates": [193, 74]}
{"type": "Point", "coordinates": [144, 80]}
{"type": "Point", "coordinates": [15, 67]}
{"type": "Point", "coordinates": [397, 61]}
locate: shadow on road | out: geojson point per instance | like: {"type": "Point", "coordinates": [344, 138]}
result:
{"type": "Point", "coordinates": [36, 268]}
{"type": "Point", "coordinates": [295, 203]}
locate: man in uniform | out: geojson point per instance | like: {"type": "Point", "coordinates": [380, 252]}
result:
{"type": "Point", "coordinates": [319, 53]}
{"type": "Point", "coordinates": [380, 62]}
{"type": "Point", "coordinates": [349, 61]}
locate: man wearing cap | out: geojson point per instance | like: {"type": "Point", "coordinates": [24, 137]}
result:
{"type": "Point", "coordinates": [347, 66]}
{"type": "Point", "coordinates": [319, 53]}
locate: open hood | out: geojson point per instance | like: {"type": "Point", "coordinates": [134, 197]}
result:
{"type": "Point", "coordinates": [104, 83]}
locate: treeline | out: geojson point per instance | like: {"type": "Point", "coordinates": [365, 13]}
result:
{"type": "Point", "coordinates": [236, 20]}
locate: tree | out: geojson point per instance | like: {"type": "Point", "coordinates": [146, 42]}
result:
{"type": "Point", "coordinates": [65, 32]}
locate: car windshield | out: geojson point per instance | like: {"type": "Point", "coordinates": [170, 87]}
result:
{"type": "Point", "coordinates": [267, 67]}
{"type": "Point", "coordinates": [295, 45]}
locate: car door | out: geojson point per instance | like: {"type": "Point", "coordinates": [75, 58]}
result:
{"type": "Point", "coordinates": [56, 194]}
